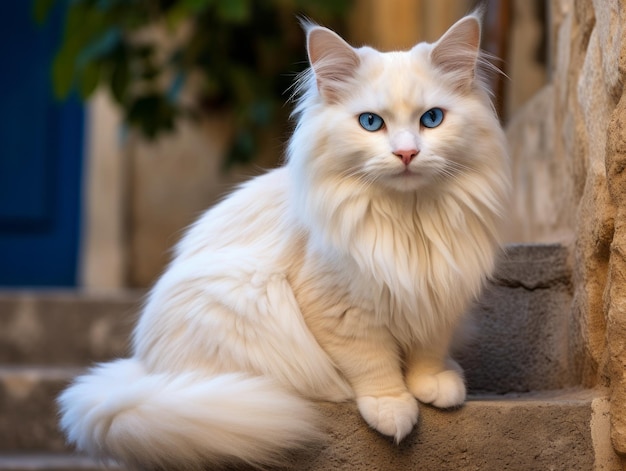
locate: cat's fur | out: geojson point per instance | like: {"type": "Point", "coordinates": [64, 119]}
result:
{"type": "Point", "coordinates": [341, 275]}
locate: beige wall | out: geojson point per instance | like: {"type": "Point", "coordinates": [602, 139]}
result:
{"type": "Point", "coordinates": [526, 73]}
{"type": "Point", "coordinates": [172, 180]}
{"type": "Point", "coordinates": [104, 248]}
{"type": "Point", "coordinates": [400, 24]}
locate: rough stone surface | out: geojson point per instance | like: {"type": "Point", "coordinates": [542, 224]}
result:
{"type": "Point", "coordinates": [487, 434]}
{"type": "Point", "coordinates": [584, 154]}
{"type": "Point", "coordinates": [521, 339]}
{"type": "Point", "coordinates": [616, 290]}
{"type": "Point", "coordinates": [610, 30]}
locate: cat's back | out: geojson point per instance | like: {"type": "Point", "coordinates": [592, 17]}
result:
{"type": "Point", "coordinates": [254, 217]}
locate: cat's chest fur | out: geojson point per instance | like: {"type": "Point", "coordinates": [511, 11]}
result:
{"type": "Point", "coordinates": [391, 262]}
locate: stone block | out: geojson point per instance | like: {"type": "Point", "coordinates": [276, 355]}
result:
{"type": "Point", "coordinates": [65, 328]}
{"type": "Point", "coordinates": [49, 461]}
{"type": "Point", "coordinates": [28, 413]}
{"type": "Point", "coordinates": [490, 434]}
{"type": "Point", "coordinates": [521, 334]}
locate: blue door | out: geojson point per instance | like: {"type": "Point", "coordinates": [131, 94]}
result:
{"type": "Point", "coordinates": [41, 148]}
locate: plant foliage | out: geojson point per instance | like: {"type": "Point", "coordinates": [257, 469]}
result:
{"type": "Point", "coordinates": [236, 53]}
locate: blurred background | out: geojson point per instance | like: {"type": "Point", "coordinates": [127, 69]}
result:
{"type": "Point", "coordinates": [124, 119]}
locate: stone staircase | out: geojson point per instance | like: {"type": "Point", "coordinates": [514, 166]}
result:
{"type": "Point", "coordinates": [525, 411]}
{"type": "Point", "coordinates": [46, 338]}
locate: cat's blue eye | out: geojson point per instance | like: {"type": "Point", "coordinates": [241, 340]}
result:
{"type": "Point", "coordinates": [371, 122]}
{"type": "Point", "coordinates": [432, 118]}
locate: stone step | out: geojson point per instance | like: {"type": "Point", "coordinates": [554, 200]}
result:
{"type": "Point", "coordinates": [65, 327]}
{"type": "Point", "coordinates": [561, 431]}
{"type": "Point", "coordinates": [522, 335]}
{"type": "Point", "coordinates": [49, 462]}
{"type": "Point", "coordinates": [28, 412]}
{"type": "Point", "coordinates": [521, 326]}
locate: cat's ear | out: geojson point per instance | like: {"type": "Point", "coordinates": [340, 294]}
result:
{"type": "Point", "coordinates": [457, 51]}
{"type": "Point", "coordinates": [332, 59]}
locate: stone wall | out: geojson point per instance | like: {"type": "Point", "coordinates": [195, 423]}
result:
{"type": "Point", "coordinates": [569, 152]}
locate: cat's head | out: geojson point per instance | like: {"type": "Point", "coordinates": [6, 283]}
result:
{"type": "Point", "coordinates": [399, 120]}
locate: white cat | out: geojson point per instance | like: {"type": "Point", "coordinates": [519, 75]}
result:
{"type": "Point", "coordinates": [341, 275]}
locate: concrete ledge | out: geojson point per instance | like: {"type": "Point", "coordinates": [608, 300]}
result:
{"type": "Point", "coordinates": [560, 431]}
{"type": "Point", "coordinates": [48, 462]}
{"type": "Point", "coordinates": [533, 433]}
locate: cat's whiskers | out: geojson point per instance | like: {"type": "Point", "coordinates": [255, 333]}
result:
{"type": "Point", "coordinates": [444, 175]}
{"type": "Point", "coordinates": [453, 170]}
{"type": "Point", "coordinates": [362, 178]}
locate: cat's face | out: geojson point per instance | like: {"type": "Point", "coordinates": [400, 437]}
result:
{"type": "Point", "coordinates": [404, 120]}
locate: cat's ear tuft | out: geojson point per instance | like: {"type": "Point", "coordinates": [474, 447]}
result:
{"type": "Point", "coordinates": [457, 51]}
{"type": "Point", "coordinates": [334, 61]}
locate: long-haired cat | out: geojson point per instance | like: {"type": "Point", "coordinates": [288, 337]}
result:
{"type": "Point", "coordinates": [341, 275]}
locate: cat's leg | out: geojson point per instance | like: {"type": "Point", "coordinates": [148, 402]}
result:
{"type": "Point", "coordinates": [435, 378]}
{"type": "Point", "coordinates": [370, 360]}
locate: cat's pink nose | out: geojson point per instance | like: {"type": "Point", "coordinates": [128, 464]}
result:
{"type": "Point", "coordinates": [406, 155]}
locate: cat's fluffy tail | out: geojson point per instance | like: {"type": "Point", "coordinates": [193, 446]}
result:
{"type": "Point", "coordinates": [144, 420]}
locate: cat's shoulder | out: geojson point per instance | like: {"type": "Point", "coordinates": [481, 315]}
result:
{"type": "Point", "coordinates": [256, 196]}
{"type": "Point", "coordinates": [272, 180]}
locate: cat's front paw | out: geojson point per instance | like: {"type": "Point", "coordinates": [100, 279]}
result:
{"type": "Point", "coordinates": [394, 416]}
{"type": "Point", "coordinates": [444, 389]}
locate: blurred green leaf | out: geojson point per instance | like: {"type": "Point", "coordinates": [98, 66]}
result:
{"type": "Point", "coordinates": [241, 54]}
{"type": "Point", "coordinates": [242, 148]}
{"type": "Point", "coordinates": [260, 112]}
{"type": "Point", "coordinates": [195, 6]}
{"type": "Point", "coordinates": [41, 9]}
{"type": "Point", "coordinates": [119, 81]}
{"type": "Point", "coordinates": [152, 114]}
{"type": "Point", "coordinates": [101, 46]}
{"type": "Point", "coordinates": [235, 11]}
{"type": "Point", "coordinates": [63, 73]}
{"type": "Point", "coordinates": [145, 51]}
{"type": "Point", "coordinates": [89, 79]}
